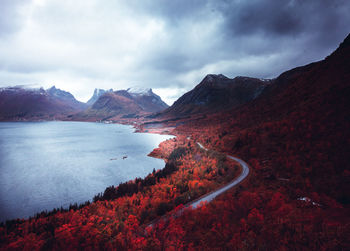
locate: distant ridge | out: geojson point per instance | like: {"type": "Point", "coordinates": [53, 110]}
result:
{"type": "Point", "coordinates": [122, 104]}
{"type": "Point", "coordinates": [19, 103]}
{"type": "Point", "coordinates": [216, 93]}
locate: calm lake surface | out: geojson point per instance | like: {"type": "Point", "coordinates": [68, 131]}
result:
{"type": "Point", "coordinates": [45, 165]}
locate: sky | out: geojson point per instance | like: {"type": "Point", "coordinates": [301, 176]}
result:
{"type": "Point", "coordinates": [169, 46]}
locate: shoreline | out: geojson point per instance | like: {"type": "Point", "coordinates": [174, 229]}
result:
{"type": "Point", "coordinates": [159, 152]}
{"type": "Point", "coordinates": [133, 130]}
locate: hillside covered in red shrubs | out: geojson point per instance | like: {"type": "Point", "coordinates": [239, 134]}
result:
{"type": "Point", "coordinates": [296, 138]}
{"type": "Point", "coordinates": [115, 216]}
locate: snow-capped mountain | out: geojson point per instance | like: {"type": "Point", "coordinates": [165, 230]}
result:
{"type": "Point", "coordinates": [147, 99]}
{"type": "Point", "coordinates": [129, 103]}
{"type": "Point", "coordinates": [97, 93]}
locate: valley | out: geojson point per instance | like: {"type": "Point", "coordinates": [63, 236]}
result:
{"type": "Point", "coordinates": [292, 131]}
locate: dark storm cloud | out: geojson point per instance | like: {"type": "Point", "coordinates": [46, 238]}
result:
{"type": "Point", "coordinates": [258, 27]}
{"type": "Point", "coordinates": [269, 17]}
{"type": "Point", "coordinates": [284, 17]}
{"type": "Point", "coordinates": [166, 45]}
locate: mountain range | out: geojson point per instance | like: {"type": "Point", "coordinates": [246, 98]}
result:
{"type": "Point", "coordinates": [121, 104]}
{"type": "Point", "coordinates": [214, 93]}
{"type": "Point", "coordinates": [20, 103]}
{"type": "Point", "coordinates": [292, 131]}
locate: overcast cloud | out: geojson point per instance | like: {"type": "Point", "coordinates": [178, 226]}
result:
{"type": "Point", "coordinates": [165, 45]}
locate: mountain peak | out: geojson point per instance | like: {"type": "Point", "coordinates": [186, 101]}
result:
{"type": "Point", "coordinates": [59, 93]}
{"type": "Point", "coordinates": [212, 77]}
{"type": "Point", "coordinates": [97, 93]}
{"type": "Point", "coordinates": [217, 92]}
{"type": "Point", "coordinates": [346, 42]}
{"type": "Point", "coordinates": [63, 96]}
{"type": "Point", "coordinates": [123, 104]}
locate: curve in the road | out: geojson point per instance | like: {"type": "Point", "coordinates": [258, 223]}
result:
{"type": "Point", "coordinates": [212, 195]}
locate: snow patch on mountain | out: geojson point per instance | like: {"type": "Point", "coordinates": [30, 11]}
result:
{"type": "Point", "coordinates": [97, 93]}
{"type": "Point", "coordinates": [22, 88]}
{"type": "Point", "coordinates": [138, 90]}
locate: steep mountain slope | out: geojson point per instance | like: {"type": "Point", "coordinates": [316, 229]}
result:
{"type": "Point", "coordinates": [216, 93]}
{"type": "Point", "coordinates": [129, 103]}
{"type": "Point", "coordinates": [97, 93]}
{"type": "Point", "coordinates": [65, 97]}
{"type": "Point", "coordinates": [147, 99]}
{"type": "Point", "coordinates": [295, 137]}
{"type": "Point", "coordinates": [17, 103]}
{"type": "Point", "coordinates": [298, 128]}
{"type": "Point", "coordinates": [114, 103]}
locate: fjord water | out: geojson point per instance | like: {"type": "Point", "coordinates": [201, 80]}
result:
{"type": "Point", "coordinates": [45, 165]}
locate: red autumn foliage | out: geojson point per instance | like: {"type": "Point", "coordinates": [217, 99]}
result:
{"type": "Point", "coordinates": [295, 136]}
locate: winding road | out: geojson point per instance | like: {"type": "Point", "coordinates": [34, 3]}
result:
{"type": "Point", "coordinates": [212, 195]}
